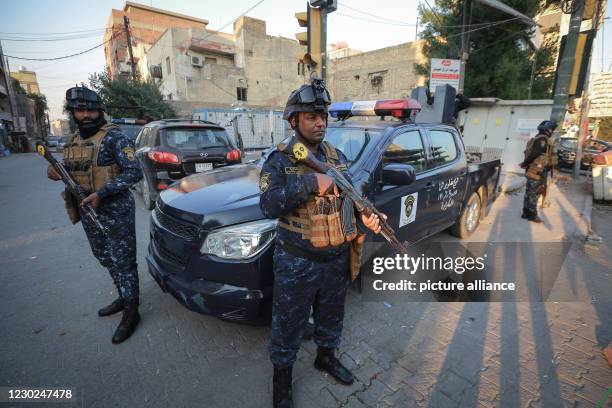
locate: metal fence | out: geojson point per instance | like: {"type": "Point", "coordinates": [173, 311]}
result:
{"type": "Point", "coordinates": [250, 129]}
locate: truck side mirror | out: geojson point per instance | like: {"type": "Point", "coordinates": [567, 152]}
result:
{"type": "Point", "coordinates": [398, 174]}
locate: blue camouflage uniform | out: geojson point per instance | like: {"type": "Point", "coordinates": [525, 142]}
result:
{"type": "Point", "coordinates": [116, 250]}
{"type": "Point", "coordinates": [301, 281]}
{"type": "Point", "coordinates": [533, 188]}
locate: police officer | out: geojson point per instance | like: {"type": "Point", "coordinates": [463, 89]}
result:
{"type": "Point", "coordinates": [100, 158]}
{"type": "Point", "coordinates": [537, 163]}
{"type": "Point", "coordinates": [311, 260]}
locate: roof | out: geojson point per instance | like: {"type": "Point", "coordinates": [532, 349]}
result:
{"type": "Point", "coordinates": [129, 4]}
{"type": "Point", "coordinates": [183, 122]}
{"type": "Point", "coordinates": [378, 124]}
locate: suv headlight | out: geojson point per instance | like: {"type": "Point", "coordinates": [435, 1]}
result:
{"type": "Point", "coordinates": [242, 241]}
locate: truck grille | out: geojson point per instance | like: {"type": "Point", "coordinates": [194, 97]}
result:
{"type": "Point", "coordinates": [186, 231]}
{"type": "Point", "coordinates": [171, 256]}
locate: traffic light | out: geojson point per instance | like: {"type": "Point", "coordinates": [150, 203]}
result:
{"type": "Point", "coordinates": [311, 19]}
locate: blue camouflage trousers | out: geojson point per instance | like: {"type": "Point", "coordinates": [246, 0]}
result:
{"type": "Point", "coordinates": [532, 192]}
{"type": "Point", "coordinates": [299, 284]}
{"type": "Point", "coordinates": [116, 250]}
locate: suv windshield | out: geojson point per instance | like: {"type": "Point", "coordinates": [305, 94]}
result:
{"type": "Point", "coordinates": [568, 143]}
{"type": "Point", "coordinates": [131, 131]}
{"type": "Point", "coordinates": [194, 138]}
{"type": "Point", "coordinates": [350, 141]}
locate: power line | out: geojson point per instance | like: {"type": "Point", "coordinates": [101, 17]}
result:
{"type": "Point", "coordinates": [66, 32]}
{"type": "Point", "coordinates": [236, 19]}
{"type": "Point", "coordinates": [63, 57]}
{"type": "Point", "coordinates": [372, 15]}
{"type": "Point", "coordinates": [74, 37]}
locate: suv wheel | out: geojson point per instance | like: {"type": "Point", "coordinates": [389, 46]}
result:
{"type": "Point", "coordinates": [469, 219]}
{"type": "Point", "coordinates": [146, 194]}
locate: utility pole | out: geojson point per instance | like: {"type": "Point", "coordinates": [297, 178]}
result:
{"type": "Point", "coordinates": [315, 38]}
{"type": "Point", "coordinates": [126, 25]}
{"type": "Point", "coordinates": [566, 66]}
{"type": "Point", "coordinates": [465, 38]}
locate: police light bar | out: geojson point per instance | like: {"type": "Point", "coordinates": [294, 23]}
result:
{"type": "Point", "coordinates": [398, 108]}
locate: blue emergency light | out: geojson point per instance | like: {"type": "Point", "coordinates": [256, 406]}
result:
{"type": "Point", "coordinates": [398, 108]}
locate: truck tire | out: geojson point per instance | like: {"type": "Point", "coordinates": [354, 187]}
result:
{"type": "Point", "coordinates": [469, 219]}
{"type": "Point", "coordinates": [149, 204]}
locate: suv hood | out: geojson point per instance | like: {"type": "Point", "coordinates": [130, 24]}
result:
{"type": "Point", "coordinates": [213, 198]}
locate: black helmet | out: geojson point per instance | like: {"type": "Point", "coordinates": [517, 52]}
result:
{"type": "Point", "coordinates": [308, 98]}
{"type": "Point", "coordinates": [547, 125]}
{"type": "Point", "coordinates": [81, 97]}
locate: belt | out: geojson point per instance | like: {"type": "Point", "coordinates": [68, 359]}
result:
{"type": "Point", "coordinates": [299, 252]}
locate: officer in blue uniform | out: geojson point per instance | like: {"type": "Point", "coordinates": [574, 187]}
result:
{"type": "Point", "coordinates": [100, 157]}
{"type": "Point", "coordinates": [305, 274]}
{"type": "Point", "coordinates": [537, 163]}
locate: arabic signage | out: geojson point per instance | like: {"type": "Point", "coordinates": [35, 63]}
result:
{"type": "Point", "coordinates": [444, 71]}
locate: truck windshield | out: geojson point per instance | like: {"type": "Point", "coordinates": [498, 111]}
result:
{"type": "Point", "coordinates": [350, 141]}
{"type": "Point", "coordinates": [569, 143]}
{"type": "Point", "coordinates": [194, 138]}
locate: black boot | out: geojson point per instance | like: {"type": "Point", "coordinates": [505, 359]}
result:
{"type": "Point", "coordinates": [111, 309]}
{"type": "Point", "coordinates": [525, 213]}
{"type": "Point", "coordinates": [533, 217]}
{"type": "Point", "coordinates": [327, 361]}
{"type": "Point", "coordinates": [281, 384]}
{"type": "Point", "coordinates": [128, 323]}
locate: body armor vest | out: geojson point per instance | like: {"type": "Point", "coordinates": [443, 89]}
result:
{"type": "Point", "coordinates": [537, 168]}
{"type": "Point", "coordinates": [81, 160]}
{"type": "Point", "coordinates": [323, 220]}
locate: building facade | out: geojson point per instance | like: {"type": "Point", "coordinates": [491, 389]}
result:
{"type": "Point", "coordinates": [380, 74]}
{"type": "Point", "coordinates": [200, 68]}
{"type": "Point", "coordinates": [60, 127]}
{"type": "Point", "coordinates": [147, 25]}
{"type": "Point", "coordinates": [27, 80]}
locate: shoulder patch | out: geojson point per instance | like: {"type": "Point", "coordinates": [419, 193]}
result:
{"type": "Point", "coordinates": [129, 152]}
{"type": "Point", "coordinates": [264, 182]}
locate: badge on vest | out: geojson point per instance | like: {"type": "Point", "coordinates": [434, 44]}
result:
{"type": "Point", "coordinates": [129, 152]}
{"type": "Point", "coordinates": [264, 182]}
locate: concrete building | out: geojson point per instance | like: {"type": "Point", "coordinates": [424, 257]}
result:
{"type": "Point", "coordinates": [147, 25]}
{"type": "Point", "coordinates": [27, 80]}
{"type": "Point", "coordinates": [199, 68]}
{"type": "Point", "coordinates": [340, 50]}
{"type": "Point", "coordinates": [6, 104]}
{"type": "Point", "coordinates": [379, 74]}
{"type": "Point", "coordinates": [60, 127]}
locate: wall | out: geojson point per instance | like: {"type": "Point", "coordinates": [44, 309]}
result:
{"type": "Point", "coordinates": [350, 78]}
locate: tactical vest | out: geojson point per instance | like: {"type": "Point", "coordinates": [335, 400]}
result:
{"type": "Point", "coordinates": [323, 220]}
{"type": "Point", "coordinates": [536, 169]}
{"type": "Point", "coordinates": [81, 160]}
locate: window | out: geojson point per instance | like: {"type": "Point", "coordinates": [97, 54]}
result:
{"type": "Point", "coordinates": [169, 96]}
{"type": "Point", "coordinates": [194, 138]}
{"type": "Point", "coordinates": [443, 147]}
{"type": "Point", "coordinates": [168, 65]}
{"type": "Point", "coordinates": [406, 148]}
{"type": "Point", "coordinates": [210, 60]}
{"type": "Point", "coordinates": [351, 142]}
{"type": "Point", "coordinates": [301, 68]}
{"type": "Point", "coordinates": [241, 94]}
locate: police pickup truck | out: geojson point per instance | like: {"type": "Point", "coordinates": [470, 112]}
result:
{"type": "Point", "coordinates": [211, 247]}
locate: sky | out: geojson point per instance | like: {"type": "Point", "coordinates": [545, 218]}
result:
{"type": "Point", "coordinates": [363, 24]}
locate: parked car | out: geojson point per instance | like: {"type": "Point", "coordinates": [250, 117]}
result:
{"type": "Point", "coordinates": [52, 142]}
{"type": "Point", "coordinates": [211, 247]}
{"type": "Point", "coordinates": [566, 152]}
{"type": "Point", "coordinates": [130, 126]}
{"type": "Point", "coordinates": [171, 149]}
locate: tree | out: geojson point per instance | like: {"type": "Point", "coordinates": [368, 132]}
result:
{"type": "Point", "coordinates": [126, 98]}
{"type": "Point", "coordinates": [40, 109]}
{"type": "Point", "coordinates": [500, 60]}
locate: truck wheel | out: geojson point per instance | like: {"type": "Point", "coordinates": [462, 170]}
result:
{"type": "Point", "coordinates": [469, 219]}
{"type": "Point", "coordinates": [146, 194]}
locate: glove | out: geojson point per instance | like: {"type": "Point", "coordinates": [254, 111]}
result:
{"type": "Point", "coordinates": [324, 185]}
{"type": "Point", "coordinates": [52, 174]}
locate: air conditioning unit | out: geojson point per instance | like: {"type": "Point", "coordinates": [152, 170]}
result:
{"type": "Point", "coordinates": [124, 68]}
{"type": "Point", "coordinates": [197, 61]}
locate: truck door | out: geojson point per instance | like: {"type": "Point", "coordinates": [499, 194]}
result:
{"type": "Point", "coordinates": [406, 207]}
{"type": "Point", "coordinates": [449, 175]}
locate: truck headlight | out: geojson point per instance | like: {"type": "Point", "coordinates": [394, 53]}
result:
{"type": "Point", "coordinates": [242, 241]}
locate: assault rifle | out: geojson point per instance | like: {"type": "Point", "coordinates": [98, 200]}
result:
{"type": "Point", "coordinates": [75, 190]}
{"type": "Point", "coordinates": [302, 154]}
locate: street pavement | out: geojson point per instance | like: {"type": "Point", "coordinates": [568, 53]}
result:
{"type": "Point", "coordinates": [424, 354]}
